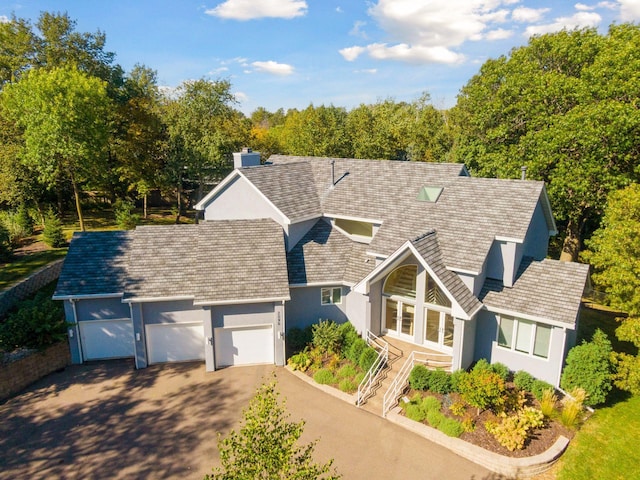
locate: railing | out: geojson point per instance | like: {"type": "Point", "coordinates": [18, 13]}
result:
{"type": "Point", "coordinates": [381, 360]}
{"type": "Point", "coordinates": [393, 392]}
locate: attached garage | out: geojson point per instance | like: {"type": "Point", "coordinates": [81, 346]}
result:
{"type": "Point", "coordinates": [102, 339]}
{"type": "Point", "coordinates": [175, 342]}
{"type": "Point", "coordinates": [243, 345]}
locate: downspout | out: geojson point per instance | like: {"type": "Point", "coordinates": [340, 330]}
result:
{"type": "Point", "coordinates": [77, 327]}
{"type": "Point", "coordinates": [135, 337]}
{"type": "Point", "coordinates": [561, 362]}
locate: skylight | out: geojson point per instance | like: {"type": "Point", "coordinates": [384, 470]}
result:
{"type": "Point", "coordinates": [429, 194]}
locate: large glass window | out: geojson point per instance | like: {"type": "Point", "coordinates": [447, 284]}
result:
{"type": "Point", "coordinates": [433, 294]}
{"type": "Point", "coordinates": [402, 282]}
{"type": "Point", "coordinates": [331, 296]}
{"type": "Point", "coordinates": [524, 336]}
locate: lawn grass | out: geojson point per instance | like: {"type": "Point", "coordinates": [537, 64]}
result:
{"type": "Point", "coordinates": [606, 446]}
{"type": "Point", "coordinates": [23, 266]}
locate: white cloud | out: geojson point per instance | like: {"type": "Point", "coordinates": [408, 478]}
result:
{"type": "Point", "coordinates": [528, 15]}
{"type": "Point", "coordinates": [219, 70]}
{"type": "Point", "coordinates": [629, 10]}
{"type": "Point", "coordinates": [499, 34]}
{"type": "Point", "coordinates": [370, 71]}
{"type": "Point", "coordinates": [584, 8]}
{"type": "Point", "coordinates": [351, 53]}
{"type": "Point", "coordinates": [4, 19]}
{"type": "Point", "coordinates": [250, 9]}
{"type": "Point", "coordinates": [339, 10]}
{"type": "Point", "coordinates": [410, 54]}
{"type": "Point", "coordinates": [241, 96]}
{"type": "Point", "coordinates": [274, 68]}
{"type": "Point", "coordinates": [578, 20]}
{"type": "Point", "coordinates": [609, 5]}
{"type": "Point", "coordinates": [357, 30]}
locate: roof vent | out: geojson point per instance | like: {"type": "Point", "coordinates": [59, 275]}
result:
{"type": "Point", "coordinates": [429, 194]}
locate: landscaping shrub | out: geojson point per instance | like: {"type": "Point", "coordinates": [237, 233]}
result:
{"type": "Point", "coordinates": [24, 220]}
{"type": "Point", "coordinates": [451, 427]}
{"type": "Point", "coordinates": [347, 385]}
{"type": "Point", "coordinates": [513, 431]}
{"type": "Point", "coordinates": [538, 387]}
{"type": "Point", "coordinates": [333, 362]}
{"type": "Point", "coordinates": [502, 370]}
{"type": "Point", "coordinates": [589, 367]}
{"type": "Point", "coordinates": [356, 349]}
{"type": "Point", "coordinates": [435, 417]}
{"type": "Point", "coordinates": [359, 377]}
{"type": "Point", "coordinates": [348, 335]}
{"type": "Point", "coordinates": [572, 407]}
{"type": "Point", "coordinates": [52, 233]}
{"type": "Point", "coordinates": [419, 377]}
{"type": "Point", "coordinates": [326, 336]}
{"type": "Point", "coordinates": [125, 218]}
{"type": "Point", "coordinates": [439, 381]}
{"type": "Point", "coordinates": [300, 361]}
{"type": "Point", "coordinates": [523, 380]}
{"type": "Point", "coordinates": [5, 244]}
{"type": "Point", "coordinates": [347, 371]}
{"type": "Point", "coordinates": [458, 409]}
{"type": "Point", "coordinates": [431, 403]}
{"type": "Point", "coordinates": [514, 399]}
{"type": "Point", "coordinates": [324, 377]}
{"type": "Point", "coordinates": [415, 412]}
{"type": "Point", "coordinates": [455, 379]}
{"type": "Point", "coordinates": [482, 389]}
{"type": "Point", "coordinates": [482, 365]}
{"type": "Point", "coordinates": [298, 338]}
{"type": "Point", "coordinates": [33, 323]}
{"type": "Point", "coordinates": [548, 403]}
{"type": "Point", "coordinates": [367, 358]}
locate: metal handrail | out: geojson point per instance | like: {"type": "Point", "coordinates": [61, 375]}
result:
{"type": "Point", "coordinates": [393, 392]}
{"type": "Point", "coordinates": [372, 374]}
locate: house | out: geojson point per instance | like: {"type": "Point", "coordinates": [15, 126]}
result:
{"type": "Point", "coordinates": [419, 251]}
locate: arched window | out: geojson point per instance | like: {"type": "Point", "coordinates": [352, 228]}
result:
{"type": "Point", "coordinates": [434, 295]}
{"type": "Point", "coordinates": [402, 282]}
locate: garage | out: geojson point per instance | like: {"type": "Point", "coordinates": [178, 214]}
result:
{"type": "Point", "coordinates": [243, 345]}
{"type": "Point", "coordinates": [102, 339]}
{"type": "Point", "coordinates": [175, 342]}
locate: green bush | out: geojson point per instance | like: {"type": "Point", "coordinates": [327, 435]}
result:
{"type": "Point", "coordinates": [367, 359]}
{"type": "Point", "coordinates": [523, 380]}
{"type": "Point", "coordinates": [24, 220]}
{"type": "Point", "coordinates": [298, 338]}
{"type": "Point", "coordinates": [300, 361]}
{"type": "Point", "coordinates": [347, 371]}
{"type": "Point", "coordinates": [415, 412]}
{"type": "Point", "coordinates": [538, 388]}
{"type": "Point", "coordinates": [5, 244]}
{"type": "Point", "coordinates": [451, 427]}
{"type": "Point", "coordinates": [348, 335]}
{"type": "Point", "coordinates": [435, 417]}
{"type": "Point", "coordinates": [125, 218]}
{"type": "Point", "coordinates": [513, 431]}
{"type": "Point", "coordinates": [501, 369]}
{"type": "Point", "coordinates": [589, 367]}
{"type": "Point", "coordinates": [419, 377]}
{"type": "Point", "coordinates": [482, 365]}
{"type": "Point", "coordinates": [431, 403]}
{"type": "Point", "coordinates": [324, 377]}
{"type": "Point", "coordinates": [356, 349]}
{"type": "Point", "coordinates": [347, 385]}
{"type": "Point", "coordinates": [326, 336]}
{"type": "Point", "coordinates": [455, 378]}
{"type": "Point", "coordinates": [52, 233]}
{"type": "Point", "coordinates": [440, 381]}
{"type": "Point", "coordinates": [482, 389]}
{"type": "Point", "coordinates": [34, 323]}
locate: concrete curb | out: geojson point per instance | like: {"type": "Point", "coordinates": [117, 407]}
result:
{"type": "Point", "coordinates": [522, 467]}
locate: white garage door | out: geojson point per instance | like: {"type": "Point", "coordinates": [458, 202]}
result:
{"type": "Point", "coordinates": [243, 345]}
{"type": "Point", "coordinates": [175, 342]}
{"type": "Point", "coordinates": [106, 339]}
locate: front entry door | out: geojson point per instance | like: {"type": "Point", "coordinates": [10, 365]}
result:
{"type": "Point", "coordinates": [438, 330]}
{"type": "Point", "coordinates": [399, 318]}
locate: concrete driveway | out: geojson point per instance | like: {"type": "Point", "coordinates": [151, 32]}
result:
{"type": "Point", "coordinates": [107, 420]}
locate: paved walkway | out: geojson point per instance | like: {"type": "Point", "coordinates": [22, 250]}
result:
{"type": "Point", "coordinates": [107, 420]}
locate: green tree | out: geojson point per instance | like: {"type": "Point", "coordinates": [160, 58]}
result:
{"type": "Point", "coordinates": [17, 49]}
{"type": "Point", "coordinates": [64, 115]}
{"type": "Point", "coordinates": [563, 107]}
{"type": "Point", "coordinates": [614, 253]}
{"type": "Point", "coordinates": [589, 367]}
{"type": "Point", "coordinates": [266, 446]}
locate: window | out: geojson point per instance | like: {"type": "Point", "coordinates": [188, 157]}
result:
{"type": "Point", "coordinates": [402, 282]}
{"type": "Point", "coordinates": [524, 336]}
{"type": "Point", "coordinates": [434, 295]}
{"type": "Point", "coordinates": [355, 227]}
{"type": "Point", "coordinates": [331, 296]}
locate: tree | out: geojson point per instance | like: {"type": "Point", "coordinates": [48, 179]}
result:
{"type": "Point", "coordinates": [266, 445]}
{"type": "Point", "coordinates": [589, 367]}
{"type": "Point", "coordinates": [64, 115]}
{"type": "Point", "coordinates": [614, 253]}
{"type": "Point", "coordinates": [17, 49]}
{"type": "Point", "coordinates": [563, 107]}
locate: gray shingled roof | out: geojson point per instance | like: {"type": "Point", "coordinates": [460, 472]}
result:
{"type": "Point", "coordinates": [428, 247]}
{"type": "Point", "coordinates": [468, 215]}
{"type": "Point", "coordinates": [290, 187]}
{"type": "Point", "coordinates": [96, 264]}
{"type": "Point", "coordinates": [549, 289]}
{"type": "Point", "coordinates": [326, 255]}
{"type": "Point", "coordinates": [219, 261]}
{"type": "Point", "coordinates": [241, 260]}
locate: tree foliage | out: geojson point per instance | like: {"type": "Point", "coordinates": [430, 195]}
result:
{"type": "Point", "coordinates": [563, 106]}
{"type": "Point", "coordinates": [266, 445]}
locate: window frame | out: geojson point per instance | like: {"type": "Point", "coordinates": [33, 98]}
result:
{"type": "Point", "coordinates": [332, 295]}
{"type": "Point", "coordinates": [515, 330]}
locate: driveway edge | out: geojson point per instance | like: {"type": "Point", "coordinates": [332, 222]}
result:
{"type": "Point", "coordinates": [522, 467]}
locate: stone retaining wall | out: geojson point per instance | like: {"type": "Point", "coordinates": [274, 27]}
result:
{"type": "Point", "coordinates": [17, 375]}
{"type": "Point", "coordinates": [30, 285]}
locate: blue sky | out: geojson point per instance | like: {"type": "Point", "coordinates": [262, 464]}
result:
{"type": "Point", "coordinates": [290, 53]}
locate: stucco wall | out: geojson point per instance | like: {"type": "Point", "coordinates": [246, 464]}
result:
{"type": "Point", "coordinates": [358, 310]}
{"type": "Point", "coordinates": [305, 309]}
{"type": "Point", "coordinates": [547, 369]}
{"type": "Point", "coordinates": [536, 242]}
{"type": "Point", "coordinates": [296, 231]}
{"type": "Point", "coordinates": [179, 311]}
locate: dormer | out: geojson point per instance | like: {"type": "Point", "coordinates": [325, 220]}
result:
{"type": "Point", "coordinates": [361, 230]}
